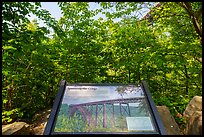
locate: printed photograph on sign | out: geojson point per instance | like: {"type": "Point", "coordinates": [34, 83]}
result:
{"type": "Point", "coordinates": [103, 109]}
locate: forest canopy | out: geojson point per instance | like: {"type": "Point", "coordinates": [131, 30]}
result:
{"type": "Point", "coordinates": [164, 48]}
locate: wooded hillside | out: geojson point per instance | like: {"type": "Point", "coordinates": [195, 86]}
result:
{"type": "Point", "coordinates": [164, 50]}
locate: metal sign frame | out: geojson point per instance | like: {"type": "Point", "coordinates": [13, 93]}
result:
{"type": "Point", "coordinates": [49, 129]}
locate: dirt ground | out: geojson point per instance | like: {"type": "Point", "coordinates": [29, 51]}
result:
{"type": "Point", "coordinates": [39, 122]}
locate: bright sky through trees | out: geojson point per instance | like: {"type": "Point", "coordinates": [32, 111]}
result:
{"type": "Point", "coordinates": [52, 7]}
{"type": "Point", "coordinates": [55, 11]}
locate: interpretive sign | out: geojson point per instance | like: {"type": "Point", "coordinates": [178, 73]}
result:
{"type": "Point", "coordinates": [102, 108]}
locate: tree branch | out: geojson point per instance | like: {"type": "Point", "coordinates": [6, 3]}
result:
{"type": "Point", "coordinates": [184, 6]}
{"type": "Point", "coordinates": [199, 13]}
{"type": "Point", "coordinates": [198, 59]}
{"type": "Point", "coordinates": [188, 8]}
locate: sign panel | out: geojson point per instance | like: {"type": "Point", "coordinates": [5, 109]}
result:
{"type": "Point", "coordinates": [103, 109]}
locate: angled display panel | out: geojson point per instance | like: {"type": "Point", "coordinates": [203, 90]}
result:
{"type": "Point", "coordinates": [104, 109]}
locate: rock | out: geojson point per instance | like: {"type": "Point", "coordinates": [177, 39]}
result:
{"type": "Point", "coordinates": [194, 105]}
{"type": "Point", "coordinates": [194, 126]}
{"type": "Point", "coordinates": [16, 128]}
{"type": "Point", "coordinates": [40, 120]}
{"type": "Point", "coordinates": [39, 130]}
{"type": "Point", "coordinates": [193, 115]}
{"type": "Point", "coordinates": [21, 128]}
{"type": "Point", "coordinates": [169, 122]}
{"type": "Point", "coordinates": [45, 125]}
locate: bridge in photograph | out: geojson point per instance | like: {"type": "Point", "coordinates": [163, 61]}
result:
{"type": "Point", "coordinates": [99, 112]}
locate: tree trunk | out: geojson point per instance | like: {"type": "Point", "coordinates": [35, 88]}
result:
{"type": "Point", "coordinates": [194, 17]}
{"type": "Point", "coordinates": [187, 77]}
{"type": "Point", "coordinates": [10, 93]}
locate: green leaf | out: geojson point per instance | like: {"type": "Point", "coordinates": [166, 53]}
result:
{"type": "Point", "coordinates": [5, 101]}
{"type": "Point", "coordinates": [9, 48]}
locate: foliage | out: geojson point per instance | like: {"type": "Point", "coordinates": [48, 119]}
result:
{"type": "Point", "coordinates": [165, 51]}
{"type": "Point", "coordinates": [27, 64]}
